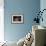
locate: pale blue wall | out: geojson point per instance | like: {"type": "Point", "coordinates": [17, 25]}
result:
{"type": "Point", "coordinates": [14, 32]}
{"type": "Point", "coordinates": [43, 6]}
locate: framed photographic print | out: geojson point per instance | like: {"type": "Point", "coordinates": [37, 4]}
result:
{"type": "Point", "coordinates": [17, 18]}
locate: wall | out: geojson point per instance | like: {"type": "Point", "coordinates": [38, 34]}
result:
{"type": "Point", "coordinates": [43, 6]}
{"type": "Point", "coordinates": [13, 32]}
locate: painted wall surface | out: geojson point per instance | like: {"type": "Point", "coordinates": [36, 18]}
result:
{"type": "Point", "coordinates": [13, 32]}
{"type": "Point", "coordinates": [43, 6]}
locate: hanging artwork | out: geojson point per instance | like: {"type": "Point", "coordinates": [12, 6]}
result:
{"type": "Point", "coordinates": [17, 18]}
